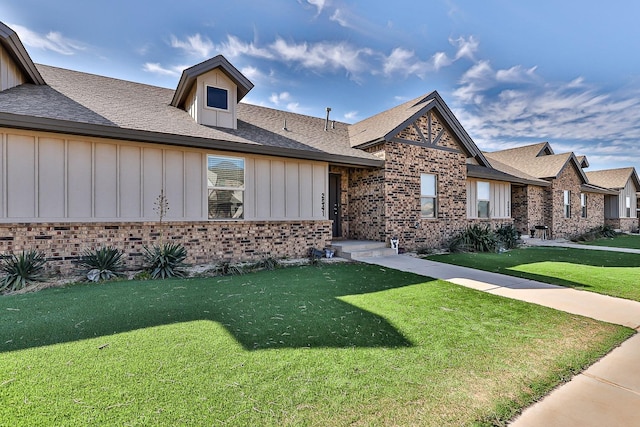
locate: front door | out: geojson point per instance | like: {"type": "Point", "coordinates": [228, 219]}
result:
{"type": "Point", "coordinates": [334, 203]}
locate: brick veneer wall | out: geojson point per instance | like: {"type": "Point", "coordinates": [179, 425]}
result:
{"type": "Point", "coordinates": [205, 241]}
{"type": "Point", "coordinates": [561, 227]}
{"type": "Point", "coordinates": [623, 224]}
{"type": "Point", "coordinates": [528, 207]}
{"type": "Point", "coordinates": [366, 204]}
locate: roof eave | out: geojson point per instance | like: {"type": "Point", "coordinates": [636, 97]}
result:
{"type": "Point", "coordinates": [497, 175]}
{"type": "Point", "coordinates": [15, 121]}
{"type": "Point", "coordinates": [16, 50]}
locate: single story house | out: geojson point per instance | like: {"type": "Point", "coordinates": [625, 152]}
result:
{"type": "Point", "coordinates": [567, 204]}
{"type": "Point", "coordinates": [620, 208]}
{"type": "Point", "coordinates": [84, 159]}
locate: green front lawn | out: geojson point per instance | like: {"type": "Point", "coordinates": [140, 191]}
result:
{"type": "Point", "coordinates": [620, 241]}
{"type": "Point", "coordinates": [336, 345]}
{"type": "Point", "coordinates": [610, 273]}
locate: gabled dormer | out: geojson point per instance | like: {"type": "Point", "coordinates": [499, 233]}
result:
{"type": "Point", "coordinates": [210, 92]}
{"type": "Point", "coordinates": [16, 67]}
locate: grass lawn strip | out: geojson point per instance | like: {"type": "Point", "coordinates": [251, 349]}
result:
{"type": "Point", "coordinates": [610, 273]}
{"type": "Point", "coordinates": [336, 345]}
{"type": "Point", "coordinates": [620, 241]}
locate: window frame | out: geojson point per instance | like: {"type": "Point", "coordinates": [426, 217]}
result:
{"type": "Point", "coordinates": [566, 200]}
{"type": "Point", "coordinates": [583, 205]}
{"type": "Point", "coordinates": [239, 212]}
{"type": "Point", "coordinates": [206, 98]}
{"type": "Point", "coordinates": [433, 197]}
{"type": "Point", "coordinates": [486, 200]}
{"type": "Point", "coordinates": [627, 206]}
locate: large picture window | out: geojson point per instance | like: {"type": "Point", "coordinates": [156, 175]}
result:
{"type": "Point", "coordinates": [583, 205]}
{"type": "Point", "coordinates": [484, 194]}
{"type": "Point", "coordinates": [567, 203]}
{"type": "Point", "coordinates": [428, 195]}
{"type": "Point", "coordinates": [217, 98]}
{"type": "Point", "coordinates": [225, 185]}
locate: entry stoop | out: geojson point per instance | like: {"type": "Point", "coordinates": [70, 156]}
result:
{"type": "Point", "coordinates": [358, 249]}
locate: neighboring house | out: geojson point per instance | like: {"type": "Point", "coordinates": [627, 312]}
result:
{"type": "Point", "coordinates": [565, 201]}
{"type": "Point", "coordinates": [620, 208]}
{"type": "Point", "coordinates": [83, 159]}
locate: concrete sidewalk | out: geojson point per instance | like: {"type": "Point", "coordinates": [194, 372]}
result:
{"type": "Point", "coordinates": [567, 244]}
{"type": "Point", "coordinates": [606, 394]}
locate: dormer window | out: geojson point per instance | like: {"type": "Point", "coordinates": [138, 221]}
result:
{"type": "Point", "coordinates": [217, 98]}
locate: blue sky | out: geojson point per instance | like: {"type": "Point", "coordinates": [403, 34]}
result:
{"type": "Point", "coordinates": [513, 72]}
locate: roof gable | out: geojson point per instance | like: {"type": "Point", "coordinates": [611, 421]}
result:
{"type": "Point", "coordinates": [189, 76]}
{"type": "Point", "coordinates": [387, 125]}
{"type": "Point", "coordinates": [536, 160]}
{"type": "Point", "coordinates": [614, 178]}
{"type": "Point", "coordinates": [11, 42]}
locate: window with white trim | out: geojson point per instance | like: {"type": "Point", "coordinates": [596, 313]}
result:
{"type": "Point", "coordinates": [484, 196]}
{"type": "Point", "coordinates": [628, 206]}
{"type": "Point", "coordinates": [225, 187]}
{"type": "Point", "coordinates": [428, 195]}
{"type": "Point", "coordinates": [583, 205]}
{"type": "Point", "coordinates": [217, 98]}
{"type": "Point", "coordinates": [567, 203]}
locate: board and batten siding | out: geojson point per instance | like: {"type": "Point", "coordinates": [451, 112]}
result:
{"type": "Point", "coordinates": [52, 178]}
{"type": "Point", "coordinates": [283, 189]}
{"type": "Point", "coordinates": [10, 74]}
{"type": "Point", "coordinates": [499, 201]}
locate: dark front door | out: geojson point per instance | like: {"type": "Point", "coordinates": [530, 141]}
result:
{"type": "Point", "coordinates": [334, 204]}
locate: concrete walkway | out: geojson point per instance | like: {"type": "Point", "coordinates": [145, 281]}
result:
{"type": "Point", "coordinates": [567, 244]}
{"type": "Point", "coordinates": [607, 393]}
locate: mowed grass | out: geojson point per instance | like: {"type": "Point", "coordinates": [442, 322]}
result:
{"type": "Point", "coordinates": [609, 273]}
{"type": "Point", "coordinates": [620, 241]}
{"type": "Point", "coordinates": [335, 345]}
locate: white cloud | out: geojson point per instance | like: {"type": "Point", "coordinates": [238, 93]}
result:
{"type": "Point", "coordinates": [319, 4]}
{"type": "Point", "coordinates": [351, 116]}
{"type": "Point", "coordinates": [156, 68]}
{"type": "Point", "coordinates": [466, 47]}
{"type": "Point", "coordinates": [516, 74]}
{"type": "Point", "coordinates": [194, 45]}
{"type": "Point", "coordinates": [278, 98]}
{"type": "Point", "coordinates": [403, 61]}
{"type": "Point", "coordinates": [341, 18]}
{"type": "Point", "coordinates": [323, 55]}
{"type": "Point", "coordinates": [235, 47]}
{"type": "Point", "coordinates": [254, 74]}
{"type": "Point", "coordinates": [294, 107]}
{"type": "Point", "coordinates": [53, 40]}
{"type": "Point", "coordinates": [439, 60]}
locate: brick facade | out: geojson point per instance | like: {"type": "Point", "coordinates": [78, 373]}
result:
{"type": "Point", "coordinates": [561, 227]}
{"type": "Point", "coordinates": [528, 207]}
{"type": "Point", "coordinates": [206, 241]}
{"type": "Point", "coordinates": [623, 224]}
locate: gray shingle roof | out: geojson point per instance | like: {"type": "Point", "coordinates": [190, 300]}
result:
{"type": "Point", "coordinates": [91, 100]}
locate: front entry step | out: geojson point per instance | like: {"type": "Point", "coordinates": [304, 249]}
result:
{"type": "Point", "coordinates": [358, 249]}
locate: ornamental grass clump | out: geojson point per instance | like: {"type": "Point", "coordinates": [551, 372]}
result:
{"type": "Point", "coordinates": [102, 264]}
{"type": "Point", "coordinates": [165, 260]}
{"type": "Point", "coordinates": [475, 238]}
{"type": "Point", "coordinates": [21, 270]}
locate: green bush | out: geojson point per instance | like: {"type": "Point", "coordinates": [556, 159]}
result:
{"type": "Point", "coordinates": [475, 238]}
{"type": "Point", "coordinates": [166, 260]}
{"type": "Point", "coordinates": [507, 236]}
{"type": "Point", "coordinates": [225, 268]}
{"type": "Point", "coordinates": [102, 264]}
{"type": "Point", "coordinates": [21, 270]}
{"type": "Point", "coordinates": [268, 263]}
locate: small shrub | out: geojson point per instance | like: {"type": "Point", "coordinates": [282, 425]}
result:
{"type": "Point", "coordinates": [424, 250]}
{"type": "Point", "coordinates": [268, 263]}
{"type": "Point", "coordinates": [22, 269]}
{"type": "Point", "coordinates": [600, 232]}
{"type": "Point", "coordinates": [475, 238]}
{"type": "Point", "coordinates": [166, 260]}
{"type": "Point", "coordinates": [507, 236]}
{"type": "Point", "coordinates": [102, 264]}
{"type": "Point", "coordinates": [225, 268]}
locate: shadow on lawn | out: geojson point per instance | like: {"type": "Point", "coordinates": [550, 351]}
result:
{"type": "Point", "coordinates": [287, 308]}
